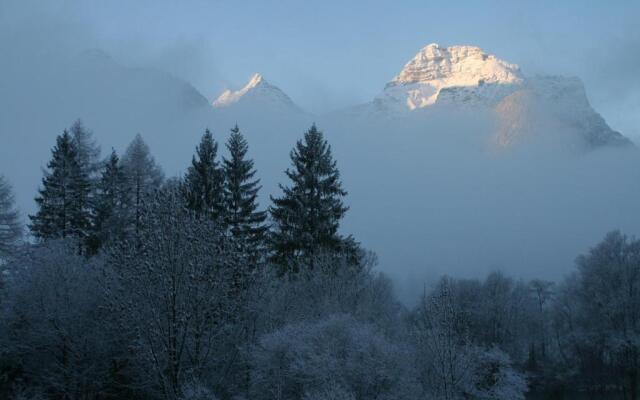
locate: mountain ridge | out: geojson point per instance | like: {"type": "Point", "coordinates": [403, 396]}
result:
{"type": "Point", "coordinates": [462, 78]}
{"type": "Point", "coordinates": [467, 78]}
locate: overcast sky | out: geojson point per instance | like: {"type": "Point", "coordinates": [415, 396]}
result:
{"type": "Point", "coordinates": [330, 54]}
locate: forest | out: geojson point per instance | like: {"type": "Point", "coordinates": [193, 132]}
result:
{"type": "Point", "coordinates": [126, 284]}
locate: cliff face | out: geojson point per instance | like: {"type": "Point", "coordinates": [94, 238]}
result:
{"type": "Point", "coordinates": [524, 108]}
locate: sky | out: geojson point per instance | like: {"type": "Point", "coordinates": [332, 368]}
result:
{"type": "Point", "coordinates": [426, 197]}
{"type": "Point", "coordinates": [331, 54]}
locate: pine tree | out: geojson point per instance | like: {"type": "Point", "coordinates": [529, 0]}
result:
{"type": "Point", "coordinates": [88, 150]}
{"type": "Point", "coordinates": [143, 177]}
{"type": "Point", "coordinates": [241, 192]}
{"type": "Point", "coordinates": [90, 164]}
{"type": "Point", "coordinates": [204, 181]}
{"type": "Point", "coordinates": [63, 208]}
{"type": "Point", "coordinates": [112, 203]}
{"type": "Point", "coordinates": [306, 218]}
{"type": "Point", "coordinates": [10, 226]}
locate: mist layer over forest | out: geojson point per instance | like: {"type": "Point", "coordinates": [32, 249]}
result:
{"type": "Point", "coordinates": [468, 231]}
{"type": "Point", "coordinates": [144, 287]}
{"type": "Point", "coordinates": [429, 193]}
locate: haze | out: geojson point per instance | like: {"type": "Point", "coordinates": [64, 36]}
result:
{"type": "Point", "coordinates": [427, 200]}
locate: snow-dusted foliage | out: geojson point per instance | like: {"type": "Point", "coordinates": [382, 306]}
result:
{"type": "Point", "coordinates": [171, 289]}
{"type": "Point", "coordinates": [330, 391]}
{"type": "Point", "coordinates": [333, 286]}
{"type": "Point", "coordinates": [597, 317]}
{"type": "Point", "coordinates": [452, 362]}
{"type": "Point", "coordinates": [494, 378]}
{"type": "Point", "coordinates": [196, 391]}
{"type": "Point", "coordinates": [446, 356]}
{"type": "Point", "coordinates": [10, 225]}
{"type": "Point", "coordinates": [178, 297]}
{"type": "Point", "coordinates": [54, 323]}
{"type": "Point", "coordinates": [338, 356]}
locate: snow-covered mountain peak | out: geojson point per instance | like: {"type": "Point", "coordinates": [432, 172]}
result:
{"type": "Point", "coordinates": [229, 97]}
{"type": "Point", "coordinates": [456, 66]}
{"type": "Point", "coordinates": [467, 79]}
{"type": "Point", "coordinates": [435, 68]}
{"type": "Point", "coordinates": [255, 80]}
{"type": "Point", "coordinates": [257, 89]}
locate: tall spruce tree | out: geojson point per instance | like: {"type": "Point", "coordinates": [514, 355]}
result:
{"type": "Point", "coordinates": [10, 225]}
{"type": "Point", "coordinates": [63, 207]}
{"type": "Point", "coordinates": [111, 204]}
{"type": "Point", "coordinates": [204, 181]}
{"type": "Point", "coordinates": [307, 216]}
{"type": "Point", "coordinates": [143, 177]}
{"type": "Point", "coordinates": [241, 192]}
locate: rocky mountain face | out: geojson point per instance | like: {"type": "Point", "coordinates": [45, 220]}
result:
{"type": "Point", "coordinates": [552, 105]}
{"type": "Point", "coordinates": [462, 78]}
{"type": "Point", "coordinates": [430, 75]}
{"type": "Point", "coordinates": [524, 108]}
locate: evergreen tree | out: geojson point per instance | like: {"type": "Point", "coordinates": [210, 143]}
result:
{"type": "Point", "coordinates": [90, 164]}
{"type": "Point", "coordinates": [88, 151]}
{"type": "Point", "coordinates": [10, 226]}
{"type": "Point", "coordinates": [112, 203]}
{"type": "Point", "coordinates": [241, 192]}
{"type": "Point", "coordinates": [306, 218]}
{"type": "Point", "coordinates": [143, 177]}
{"type": "Point", "coordinates": [63, 208]}
{"type": "Point", "coordinates": [204, 181]}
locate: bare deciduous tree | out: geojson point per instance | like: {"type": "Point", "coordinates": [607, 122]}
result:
{"type": "Point", "coordinates": [172, 288]}
{"type": "Point", "coordinates": [10, 225]}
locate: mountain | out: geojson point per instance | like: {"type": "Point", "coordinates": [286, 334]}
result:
{"type": "Point", "coordinates": [523, 108]}
{"type": "Point", "coordinates": [121, 87]}
{"type": "Point", "coordinates": [423, 193]}
{"type": "Point", "coordinates": [257, 93]}
{"type": "Point", "coordinates": [44, 92]}
{"type": "Point", "coordinates": [434, 70]}
{"type": "Point", "coordinates": [548, 105]}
